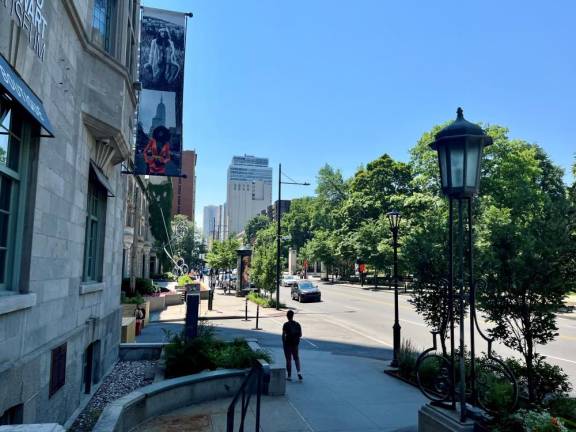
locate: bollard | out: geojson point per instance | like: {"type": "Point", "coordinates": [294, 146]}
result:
{"type": "Point", "coordinates": [210, 299]}
{"type": "Point", "coordinates": [246, 310]}
{"type": "Point", "coordinates": [191, 323]}
{"type": "Point", "coordinates": [257, 317]}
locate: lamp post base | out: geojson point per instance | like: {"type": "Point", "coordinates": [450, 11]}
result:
{"type": "Point", "coordinates": [396, 328]}
{"type": "Point", "coordinates": [437, 419]}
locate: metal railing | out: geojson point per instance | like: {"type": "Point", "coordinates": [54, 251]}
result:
{"type": "Point", "coordinates": [253, 384]}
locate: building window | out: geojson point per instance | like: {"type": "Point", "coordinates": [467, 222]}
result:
{"type": "Point", "coordinates": [14, 143]}
{"type": "Point", "coordinates": [57, 369]}
{"type": "Point", "coordinates": [12, 416]}
{"type": "Point", "coordinates": [102, 21]}
{"type": "Point", "coordinates": [95, 227]}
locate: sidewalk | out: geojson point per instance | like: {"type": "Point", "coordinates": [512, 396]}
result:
{"type": "Point", "coordinates": [339, 393]}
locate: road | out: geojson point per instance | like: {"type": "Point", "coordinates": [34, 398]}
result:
{"type": "Point", "coordinates": [358, 321]}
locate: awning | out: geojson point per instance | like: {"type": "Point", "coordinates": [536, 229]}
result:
{"type": "Point", "coordinates": [102, 179]}
{"type": "Point", "coordinates": [19, 90]}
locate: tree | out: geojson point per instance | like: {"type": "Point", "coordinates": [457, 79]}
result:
{"type": "Point", "coordinates": [263, 266]}
{"type": "Point", "coordinates": [254, 225]}
{"type": "Point", "coordinates": [186, 241]}
{"type": "Point", "coordinates": [223, 255]}
{"type": "Point", "coordinates": [524, 245]}
{"type": "Point", "coordinates": [160, 207]}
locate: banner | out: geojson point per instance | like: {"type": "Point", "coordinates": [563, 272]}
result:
{"type": "Point", "coordinates": [159, 133]}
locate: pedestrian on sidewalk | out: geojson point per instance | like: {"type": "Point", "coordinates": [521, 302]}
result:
{"type": "Point", "coordinates": [291, 334]}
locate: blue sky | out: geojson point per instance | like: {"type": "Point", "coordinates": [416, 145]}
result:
{"type": "Point", "coordinates": [309, 82]}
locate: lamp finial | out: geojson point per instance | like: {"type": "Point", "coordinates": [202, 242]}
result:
{"type": "Point", "coordinates": [460, 113]}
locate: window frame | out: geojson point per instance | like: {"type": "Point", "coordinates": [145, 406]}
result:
{"type": "Point", "coordinates": [94, 243]}
{"type": "Point", "coordinates": [57, 369]}
{"type": "Point", "coordinates": [19, 177]}
{"type": "Point", "coordinates": [105, 41]}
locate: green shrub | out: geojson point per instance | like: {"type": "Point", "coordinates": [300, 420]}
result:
{"type": "Point", "coordinates": [144, 286]}
{"type": "Point", "coordinates": [207, 352]}
{"type": "Point", "coordinates": [549, 380]}
{"type": "Point", "coordinates": [184, 280]}
{"type": "Point", "coordinates": [263, 301]}
{"type": "Point", "coordinates": [539, 421]}
{"type": "Point", "coordinates": [169, 276]}
{"type": "Point", "coordinates": [407, 357]}
{"type": "Point", "coordinates": [563, 407]}
{"type": "Point", "coordinates": [429, 371]}
{"type": "Point", "coordinates": [137, 299]}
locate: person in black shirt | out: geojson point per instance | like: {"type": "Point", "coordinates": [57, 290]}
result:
{"type": "Point", "coordinates": [291, 334]}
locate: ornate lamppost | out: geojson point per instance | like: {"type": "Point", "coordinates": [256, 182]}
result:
{"type": "Point", "coordinates": [460, 146]}
{"type": "Point", "coordinates": [394, 219]}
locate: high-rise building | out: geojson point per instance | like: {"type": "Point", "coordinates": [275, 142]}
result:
{"type": "Point", "coordinates": [211, 222]}
{"type": "Point", "coordinates": [184, 189]}
{"type": "Point", "coordinates": [249, 191]}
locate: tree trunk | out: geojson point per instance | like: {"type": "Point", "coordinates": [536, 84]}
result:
{"type": "Point", "coordinates": [530, 369]}
{"type": "Point", "coordinates": [375, 279]}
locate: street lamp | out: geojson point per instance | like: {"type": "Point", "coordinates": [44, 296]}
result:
{"type": "Point", "coordinates": [459, 147]}
{"type": "Point", "coordinates": [278, 238]}
{"type": "Point", "coordinates": [394, 219]}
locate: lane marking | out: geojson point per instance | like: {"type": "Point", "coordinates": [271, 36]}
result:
{"type": "Point", "coordinates": [413, 323]}
{"type": "Point", "coordinates": [347, 327]}
{"type": "Point", "coordinates": [313, 344]}
{"type": "Point", "coordinates": [559, 358]}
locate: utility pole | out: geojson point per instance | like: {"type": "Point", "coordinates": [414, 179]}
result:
{"type": "Point", "coordinates": [278, 237]}
{"type": "Point", "coordinates": [278, 218]}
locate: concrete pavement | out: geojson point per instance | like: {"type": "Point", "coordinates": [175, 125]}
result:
{"type": "Point", "coordinates": [340, 392]}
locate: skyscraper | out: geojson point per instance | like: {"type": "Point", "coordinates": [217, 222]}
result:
{"type": "Point", "coordinates": [249, 191]}
{"type": "Point", "coordinates": [211, 223]}
{"type": "Point", "coordinates": [184, 189]}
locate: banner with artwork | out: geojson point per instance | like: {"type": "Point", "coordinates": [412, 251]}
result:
{"type": "Point", "coordinates": [159, 132]}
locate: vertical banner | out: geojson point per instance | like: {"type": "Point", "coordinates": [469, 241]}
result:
{"type": "Point", "coordinates": [159, 134]}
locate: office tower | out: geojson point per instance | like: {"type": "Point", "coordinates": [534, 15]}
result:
{"type": "Point", "coordinates": [249, 191]}
{"type": "Point", "coordinates": [184, 189]}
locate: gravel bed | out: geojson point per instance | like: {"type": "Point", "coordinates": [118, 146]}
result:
{"type": "Point", "coordinates": [126, 377]}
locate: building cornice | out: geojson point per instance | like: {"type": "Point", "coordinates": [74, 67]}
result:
{"type": "Point", "coordinates": [95, 51]}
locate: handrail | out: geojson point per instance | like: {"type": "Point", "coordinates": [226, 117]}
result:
{"type": "Point", "coordinates": [253, 383]}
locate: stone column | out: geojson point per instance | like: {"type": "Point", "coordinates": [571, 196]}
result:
{"type": "Point", "coordinates": [147, 247]}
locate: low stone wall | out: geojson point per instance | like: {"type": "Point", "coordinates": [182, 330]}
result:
{"type": "Point", "coordinates": [173, 299]}
{"type": "Point", "coordinates": [140, 351]}
{"type": "Point", "coordinates": [156, 303]}
{"type": "Point", "coordinates": [45, 427]}
{"type": "Point", "coordinates": [166, 396]}
{"type": "Point", "coordinates": [277, 384]}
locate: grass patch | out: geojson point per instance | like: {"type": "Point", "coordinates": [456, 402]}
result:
{"type": "Point", "coordinates": [206, 352]}
{"type": "Point", "coordinates": [263, 301]}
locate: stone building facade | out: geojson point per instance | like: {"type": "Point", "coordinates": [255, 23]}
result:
{"type": "Point", "coordinates": [62, 199]}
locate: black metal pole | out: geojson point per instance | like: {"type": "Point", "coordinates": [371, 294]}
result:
{"type": "Point", "coordinates": [246, 309]}
{"type": "Point", "coordinates": [472, 303]}
{"type": "Point", "coordinates": [451, 297]}
{"type": "Point", "coordinates": [461, 318]}
{"type": "Point", "coordinates": [257, 317]}
{"type": "Point", "coordinates": [278, 238]}
{"type": "Point", "coordinates": [396, 327]}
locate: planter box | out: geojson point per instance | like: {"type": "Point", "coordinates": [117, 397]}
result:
{"type": "Point", "coordinates": [173, 299]}
{"type": "Point", "coordinates": [128, 329]}
{"type": "Point", "coordinates": [156, 303]}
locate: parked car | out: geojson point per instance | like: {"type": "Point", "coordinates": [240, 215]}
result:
{"type": "Point", "coordinates": [304, 290]}
{"type": "Point", "coordinates": [289, 280]}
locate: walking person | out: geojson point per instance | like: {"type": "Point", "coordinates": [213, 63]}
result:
{"type": "Point", "coordinates": [291, 334]}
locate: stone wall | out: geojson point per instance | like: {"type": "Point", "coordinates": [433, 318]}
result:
{"type": "Point", "coordinates": [89, 99]}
